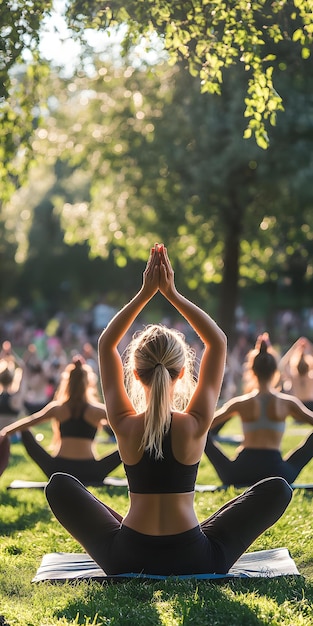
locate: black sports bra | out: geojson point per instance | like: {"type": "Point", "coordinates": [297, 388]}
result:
{"type": "Point", "coordinates": [165, 475]}
{"type": "Point", "coordinates": [78, 428]}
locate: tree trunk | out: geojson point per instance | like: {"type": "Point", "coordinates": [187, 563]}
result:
{"type": "Point", "coordinates": [228, 300]}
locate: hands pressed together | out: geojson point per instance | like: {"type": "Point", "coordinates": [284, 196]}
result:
{"type": "Point", "coordinates": [159, 274]}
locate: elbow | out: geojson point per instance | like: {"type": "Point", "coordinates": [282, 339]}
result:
{"type": "Point", "coordinates": [222, 341]}
{"type": "Point", "coordinates": [101, 341]}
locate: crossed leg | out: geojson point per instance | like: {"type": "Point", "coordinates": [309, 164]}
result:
{"type": "Point", "coordinates": [235, 526]}
{"type": "Point", "coordinates": [92, 523]}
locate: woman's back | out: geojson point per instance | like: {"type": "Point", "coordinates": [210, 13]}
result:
{"type": "Point", "coordinates": [162, 488]}
{"type": "Point", "coordinates": [263, 417]}
{"type": "Point", "coordinates": [263, 412]}
{"type": "Point", "coordinates": [74, 435]}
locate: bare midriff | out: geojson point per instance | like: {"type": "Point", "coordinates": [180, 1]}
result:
{"type": "Point", "coordinates": [76, 448]}
{"type": "Point", "coordinates": [161, 514]}
{"type": "Point", "coordinates": [263, 438]}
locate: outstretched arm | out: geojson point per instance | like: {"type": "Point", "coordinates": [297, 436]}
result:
{"type": "Point", "coordinates": [299, 411]}
{"type": "Point", "coordinates": [225, 413]}
{"type": "Point", "coordinates": [31, 420]}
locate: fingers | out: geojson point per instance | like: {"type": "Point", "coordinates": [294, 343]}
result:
{"type": "Point", "coordinates": [159, 258]}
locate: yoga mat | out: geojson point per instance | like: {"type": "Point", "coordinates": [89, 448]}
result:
{"type": "Point", "coordinates": [231, 439]}
{"type": "Point", "coordinates": [41, 484]}
{"type": "Point", "coordinates": [122, 482]}
{"type": "Point", "coordinates": [108, 482]}
{"type": "Point", "coordinates": [62, 566]}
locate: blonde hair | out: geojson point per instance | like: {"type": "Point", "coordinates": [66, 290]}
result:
{"type": "Point", "coordinates": [158, 355]}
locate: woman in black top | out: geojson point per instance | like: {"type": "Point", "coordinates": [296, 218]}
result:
{"type": "Point", "coordinates": [76, 415]}
{"type": "Point", "coordinates": [161, 422]}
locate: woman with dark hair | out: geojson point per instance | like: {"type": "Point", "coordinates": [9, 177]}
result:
{"type": "Point", "coordinates": [160, 419]}
{"type": "Point", "coordinates": [263, 413]}
{"type": "Point", "coordinates": [76, 415]}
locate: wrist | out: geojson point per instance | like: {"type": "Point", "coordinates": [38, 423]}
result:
{"type": "Point", "coordinates": [173, 295]}
{"type": "Point", "coordinates": [145, 295]}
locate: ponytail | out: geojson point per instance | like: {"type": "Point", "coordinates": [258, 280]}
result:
{"type": "Point", "coordinates": [75, 386]}
{"type": "Point", "coordinates": [158, 411]}
{"type": "Point", "coordinates": [264, 365]}
{"type": "Point", "coordinates": [158, 355]}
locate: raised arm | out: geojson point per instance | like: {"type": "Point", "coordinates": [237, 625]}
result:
{"type": "Point", "coordinates": [111, 369]}
{"type": "Point", "coordinates": [302, 345]}
{"type": "Point", "coordinates": [212, 364]}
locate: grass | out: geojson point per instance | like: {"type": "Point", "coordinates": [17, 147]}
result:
{"type": "Point", "coordinates": [29, 530]}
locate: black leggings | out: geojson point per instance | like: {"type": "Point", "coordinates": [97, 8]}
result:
{"type": "Point", "coordinates": [253, 464]}
{"type": "Point", "coordinates": [213, 546]}
{"type": "Point", "coordinates": [90, 471]}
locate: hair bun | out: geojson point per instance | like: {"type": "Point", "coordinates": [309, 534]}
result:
{"type": "Point", "coordinates": [78, 360]}
{"type": "Point", "coordinates": [263, 347]}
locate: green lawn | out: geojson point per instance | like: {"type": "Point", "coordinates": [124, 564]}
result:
{"type": "Point", "coordinates": [28, 531]}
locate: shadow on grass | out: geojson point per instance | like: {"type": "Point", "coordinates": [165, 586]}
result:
{"type": "Point", "coordinates": [280, 589]}
{"type": "Point", "coordinates": [212, 604]}
{"type": "Point", "coordinates": [187, 603]}
{"type": "Point", "coordinates": [121, 604]}
{"type": "Point", "coordinates": [30, 512]}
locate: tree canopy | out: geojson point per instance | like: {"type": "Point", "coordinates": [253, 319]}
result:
{"type": "Point", "coordinates": [212, 36]}
{"type": "Point", "coordinates": [138, 155]}
{"type": "Point", "coordinates": [19, 99]}
{"type": "Point", "coordinates": [209, 35]}
{"type": "Point", "coordinates": [153, 153]}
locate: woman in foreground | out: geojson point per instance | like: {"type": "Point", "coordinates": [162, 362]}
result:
{"type": "Point", "coordinates": [76, 416]}
{"type": "Point", "coordinates": [161, 445]}
{"type": "Point", "coordinates": [263, 413]}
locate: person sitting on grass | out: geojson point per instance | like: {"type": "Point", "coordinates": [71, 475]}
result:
{"type": "Point", "coordinates": [76, 415]}
{"type": "Point", "coordinates": [161, 441]}
{"type": "Point", "coordinates": [263, 413]}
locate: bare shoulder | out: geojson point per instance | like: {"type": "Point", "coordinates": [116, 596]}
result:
{"type": "Point", "coordinates": [95, 412]}
{"type": "Point", "coordinates": [246, 397]}
{"type": "Point", "coordinates": [129, 432]}
{"type": "Point", "coordinates": [238, 401]}
{"type": "Point", "coordinates": [292, 405]}
{"type": "Point", "coordinates": [286, 397]}
{"type": "Point", "coordinates": [185, 423]}
{"type": "Point", "coordinates": [96, 407]}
